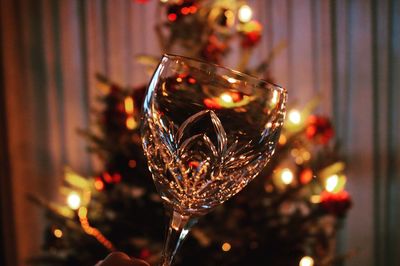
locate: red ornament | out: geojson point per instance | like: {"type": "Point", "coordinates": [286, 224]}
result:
{"type": "Point", "coordinates": [111, 178]}
{"type": "Point", "coordinates": [306, 175]}
{"type": "Point", "coordinates": [319, 129]}
{"type": "Point", "coordinates": [107, 177]}
{"type": "Point", "coordinates": [194, 164]}
{"type": "Point", "coordinates": [178, 11]}
{"type": "Point", "coordinates": [144, 254]}
{"type": "Point", "coordinates": [251, 34]}
{"type": "Point", "coordinates": [99, 184]}
{"type": "Point", "coordinates": [211, 103]}
{"type": "Point", "coordinates": [251, 39]}
{"type": "Point", "coordinates": [336, 203]}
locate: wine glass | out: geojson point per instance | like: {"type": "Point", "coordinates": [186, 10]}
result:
{"type": "Point", "coordinates": [207, 131]}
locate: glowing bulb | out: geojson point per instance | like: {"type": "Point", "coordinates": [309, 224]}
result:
{"type": "Point", "coordinates": [129, 105]}
{"type": "Point", "coordinates": [315, 199]}
{"type": "Point", "coordinates": [274, 99]}
{"type": "Point", "coordinates": [131, 123]}
{"type": "Point", "coordinates": [226, 98]}
{"type": "Point", "coordinates": [306, 261]}
{"type": "Point", "coordinates": [282, 139]}
{"type": "Point", "coordinates": [98, 184]}
{"type": "Point", "coordinates": [287, 176]}
{"type": "Point", "coordinates": [245, 14]}
{"type": "Point", "coordinates": [226, 247]}
{"type": "Point", "coordinates": [74, 201]}
{"type": "Point", "coordinates": [163, 1]}
{"type": "Point", "coordinates": [58, 233]}
{"type": "Point", "coordinates": [294, 117]}
{"type": "Point", "coordinates": [231, 80]}
{"type": "Point", "coordinates": [331, 183]}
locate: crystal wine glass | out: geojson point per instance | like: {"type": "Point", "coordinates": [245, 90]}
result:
{"type": "Point", "coordinates": [207, 131]}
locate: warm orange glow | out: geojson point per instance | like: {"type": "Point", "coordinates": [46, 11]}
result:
{"type": "Point", "coordinates": [129, 105]}
{"type": "Point", "coordinates": [226, 247]}
{"type": "Point", "coordinates": [282, 139]}
{"type": "Point", "coordinates": [179, 79]}
{"type": "Point", "coordinates": [58, 233]}
{"type": "Point", "coordinates": [306, 176]}
{"type": "Point", "coordinates": [131, 123]}
{"type": "Point", "coordinates": [315, 199]}
{"type": "Point", "coordinates": [99, 184]}
{"type": "Point", "coordinates": [82, 213]}
{"type": "Point", "coordinates": [194, 164]}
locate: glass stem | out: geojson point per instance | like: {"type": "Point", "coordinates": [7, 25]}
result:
{"type": "Point", "coordinates": [179, 227]}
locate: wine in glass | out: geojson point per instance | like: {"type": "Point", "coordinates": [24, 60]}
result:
{"type": "Point", "coordinates": [207, 131]}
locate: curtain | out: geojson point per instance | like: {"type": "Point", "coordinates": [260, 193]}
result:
{"type": "Point", "coordinates": [345, 51]}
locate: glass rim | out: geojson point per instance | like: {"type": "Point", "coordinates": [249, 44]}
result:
{"type": "Point", "coordinates": [248, 76]}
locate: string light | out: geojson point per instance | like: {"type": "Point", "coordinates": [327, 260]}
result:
{"type": "Point", "coordinates": [226, 98]}
{"type": "Point", "coordinates": [130, 110]}
{"type": "Point", "coordinates": [131, 122]}
{"type": "Point", "coordinates": [306, 261]}
{"type": "Point", "coordinates": [282, 139]}
{"type": "Point", "coordinates": [107, 177]}
{"type": "Point", "coordinates": [245, 14]}
{"type": "Point", "coordinates": [58, 233]}
{"type": "Point", "coordinates": [74, 201]}
{"type": "Point", "coordinates": [331, 183]}
{"type": "Point", "coordinates": [286, 176]}
{"type": "Point", "coordinates": [315, 199]}
{"type": "Point", "coordinates": [129, 105]}
{"type": "Point", "coordinates": [226, 247]}
{"type": "Point", "coordinates": [82, 213]}
{"type": "Point", "coordinates": [99, 184]}
{"type": "Point", "coordinates": [294, 116]}
{"type": "Point", "coordinates": [306, 176]}
{"type": "Point", "coordinates": [275, 98]}
{"type": "Point", "coordinates": [163, 1]}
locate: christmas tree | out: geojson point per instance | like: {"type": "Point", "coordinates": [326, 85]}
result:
{"type": "Point", "coordinates": [288, 215]}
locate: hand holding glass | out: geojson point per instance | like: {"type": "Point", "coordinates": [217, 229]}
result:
{"type": "Point", "coordinates": [207, 131]}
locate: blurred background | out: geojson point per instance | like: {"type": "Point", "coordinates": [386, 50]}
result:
{"type": "Point", "coordinates": [345, 51]}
